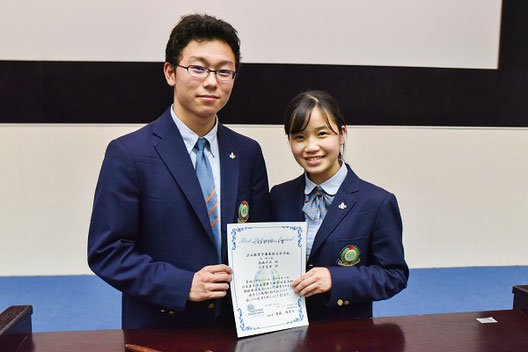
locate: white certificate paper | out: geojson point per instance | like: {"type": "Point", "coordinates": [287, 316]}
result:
{"type": "Point", "coordinates": [266, 258]}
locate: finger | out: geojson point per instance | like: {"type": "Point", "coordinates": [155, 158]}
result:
{"type": "Point", "coordinates": [213, 268]}
{"type": "Point", "coordinates": [213, 295]}
{"type": "Point", "coordinates": [297, 286]}
{"type": "Point", "coordinates": [296, 282]}
{"type": "Point", "coordinates": [220, 277]}
{"type": "Point", "coordinates": [220, 268]}
{"type": "Point", "coordinates": [217, 287]}
{"type": "Point", "coordinates": [205, 295]}
{"type": "Point", "coordinates": [309, 290]}
{"type": "Point", "coordinates": [298, 289]}
{"type": "Point", "coordinates": [224, 273]}
{"type": "Point", "coordinates": [225, 277]}
{"type": "Point", "coordinates": [311, 293]}
{"type": "Point", "coordinates": [300, 279]}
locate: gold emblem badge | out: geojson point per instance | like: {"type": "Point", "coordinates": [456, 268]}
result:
{"type": "Point", "coordinates": [243, 212]}
{"type": "Point", "coordinates": [349, 256]}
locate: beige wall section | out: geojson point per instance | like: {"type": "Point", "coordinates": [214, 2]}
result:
{"type": "Point", "coordinates": [462, 191]}
{"type": "Point", "coordinates": [46, 189]}
{"type": "Point", "coordinates": [430, 33]}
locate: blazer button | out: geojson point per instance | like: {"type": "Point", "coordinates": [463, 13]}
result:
{"type": "Point", "coordinates": [171, 312]}
{"type": "Point", "coordinates": [347, 303]}
{"type": "Point", "coordinates": [211, 305]}
{"type": "Point", "coordinates": [339, 302]}
{"type": "Point", "coordinates": [162, 310]}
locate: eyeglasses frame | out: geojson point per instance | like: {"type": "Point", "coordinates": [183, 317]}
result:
{"type": "Point", "coordinates": [208, 70]}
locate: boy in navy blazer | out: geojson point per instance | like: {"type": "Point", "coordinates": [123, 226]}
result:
{"type": "Point", "coordinates": [151, 236]}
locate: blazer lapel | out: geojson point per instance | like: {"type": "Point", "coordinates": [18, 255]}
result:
{"type": "Point", "coordinates": [172, 151]}
{"type": "Point", "coordinates": [298, 195]}
{"type": "Point", "coordinates": [341, 205]}
{"type": "Point", "coordinates": [229, 171]}
{"type": "Point", "coordinates": [229, 165]}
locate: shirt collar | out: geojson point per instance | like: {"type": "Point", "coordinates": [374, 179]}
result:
{"type": "Point", "coordinates": [330, 186]}
{"type": "Point", "coordinates": [190, 137]}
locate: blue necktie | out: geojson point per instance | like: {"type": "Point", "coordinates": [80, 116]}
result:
{"type": "Point", "coordinates": [316, 203]}
{"type": "Point", "coordinates": [205, 176]}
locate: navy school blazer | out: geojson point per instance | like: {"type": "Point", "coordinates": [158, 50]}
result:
{"type": "Point", "coordinates": [150, 232]}
{"type": "Point", "coordinates": [361, 215]}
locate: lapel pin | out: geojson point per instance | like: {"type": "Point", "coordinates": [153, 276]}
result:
{"type": "Point", "coordinates": [243, 212]}
{"type": "Point", "coordinates": [232, 155]}
{"type": "Point", "coordinates": [342, 206]}
{"type": "Point", "coordinates": [349, 256]}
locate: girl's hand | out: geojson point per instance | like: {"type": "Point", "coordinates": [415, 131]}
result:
{"type": "Point", "coordinates": [316, 280]}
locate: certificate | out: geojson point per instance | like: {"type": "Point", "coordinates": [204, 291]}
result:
{"type": "Point", "coordinates": [266, 258]}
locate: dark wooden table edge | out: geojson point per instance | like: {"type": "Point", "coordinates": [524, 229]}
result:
{"type": "Point", "coordinates": [520, 298]}
{"type": "Point", "coordinates": [16, 319]}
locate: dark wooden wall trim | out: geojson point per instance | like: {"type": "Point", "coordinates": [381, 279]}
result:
{"type": "Point", "coordinates": [136, 92]}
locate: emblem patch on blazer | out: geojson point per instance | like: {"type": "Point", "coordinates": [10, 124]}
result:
{"type": "Point", "coordinates": [243, 212]}
{"type": "Point", "coordinates": [349, 256]}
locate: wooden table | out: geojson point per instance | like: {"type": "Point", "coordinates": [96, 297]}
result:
{"type": "Point", "coordinates": [429, 333]}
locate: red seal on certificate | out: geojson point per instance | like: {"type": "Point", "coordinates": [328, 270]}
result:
{"type": "Point", "coordinates": [349, 256]}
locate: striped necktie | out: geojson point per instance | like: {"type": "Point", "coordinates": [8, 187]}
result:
{"type": "Point", "coordinates": [316, 203]}
{"type": "Point", "coordinates": [205, 176]}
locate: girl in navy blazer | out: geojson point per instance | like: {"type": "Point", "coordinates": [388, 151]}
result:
{"type": "Point", "coordinates": [354, 238]}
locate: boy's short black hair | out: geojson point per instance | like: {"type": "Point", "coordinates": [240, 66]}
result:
{"type": "Point", "coordinates": [200, 27]}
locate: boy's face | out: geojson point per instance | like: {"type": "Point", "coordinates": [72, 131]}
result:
{"type": "Point", "coordinates": [197, 100]}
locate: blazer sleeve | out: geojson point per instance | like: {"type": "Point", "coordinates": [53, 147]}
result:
{"type": "Point", "coordinates": [114, 227]}
{"type": "Point", "coordinates": [385, 272]}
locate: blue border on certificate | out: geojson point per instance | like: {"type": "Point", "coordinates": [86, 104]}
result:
{"type": "Point", "coordinates": [301, 316]}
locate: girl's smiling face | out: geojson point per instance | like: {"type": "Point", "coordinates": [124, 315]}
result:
{"type": "Point", "coordinates": [317, 148]}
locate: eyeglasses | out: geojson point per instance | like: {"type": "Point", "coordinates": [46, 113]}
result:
{"type": "Point", "coordinates": [202, 72]}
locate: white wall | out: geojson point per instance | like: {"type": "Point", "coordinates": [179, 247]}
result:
{"type": "Point", "coordinates": [462, 191]}
{"type": "Point", "coordinates": [431, 33]}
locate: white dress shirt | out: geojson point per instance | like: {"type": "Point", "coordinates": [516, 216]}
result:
{"type": "Point", "coordinates": [330, 186]}
{"type": "Point", "coordinates": [190, 138]}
